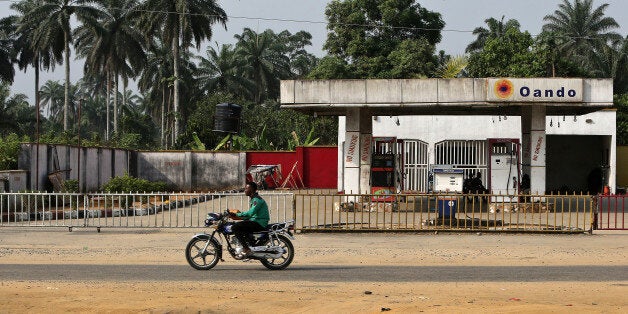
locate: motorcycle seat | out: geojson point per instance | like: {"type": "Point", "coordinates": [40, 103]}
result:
{"type": "Point", "coordinates": [275, 226]}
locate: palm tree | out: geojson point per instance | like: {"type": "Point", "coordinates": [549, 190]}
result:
{"type": "Point", "coordinates": [612, 61]}
{"type": "Point", "coordinates": [15, 113]}
{"type": "Point", "coordinates": [179, 22]}
{"type": "Point", "coordinates": [52, 102]}
{"type": "Point", "coordinates": [495, 29]}
{"type": "Point", "coordinates": [50, 20]}
{"type": "Point", "coordinates": [7, 53]}
{"type": "Point", "coordinates": [132, 100]}
{"type": "Point", "coordinates": [453, 67]}
{"type": "Point", "coordinates": [620, 79]}
{"type": "Point", "coordinates": [265, 64]}
{"type": "Point", "coordinates": [134, 119]}
{"type": "Point", "coordinates": [7, 119]}
{"type": "Point", "coordinates": [582, 32]}
{"type": "Point", "coordinates": [91, 92]}
{"type": "Point", "coordinates": [100, 40]}
{"type": "Point", "coordinates": [221, 71]}
{"type": "Point", "coordinates": [39, 57]}
{"type": "Point", "coordinates": [113, 44]}
{"type": "Point", "coordinates": [156, 83]}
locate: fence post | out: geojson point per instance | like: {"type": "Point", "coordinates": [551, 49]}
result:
{"type": "Point", "coordinates": [594, 212]}
{"type": "Point", "coordinates": [294, 210]}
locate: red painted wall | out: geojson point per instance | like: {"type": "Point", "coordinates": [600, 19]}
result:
{"type": "Point", "coordinates": [316, 165]}
{"type": "Point", "coordinates": [321, 167]}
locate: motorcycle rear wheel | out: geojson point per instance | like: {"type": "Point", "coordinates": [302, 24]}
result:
{"type": "Point", "coordinates": [285, 259]}
{"type": "Point", "coordinates": [200, 258]}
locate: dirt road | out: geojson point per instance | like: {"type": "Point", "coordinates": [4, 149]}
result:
{"type": "Point", "coordinates": [198, 293]}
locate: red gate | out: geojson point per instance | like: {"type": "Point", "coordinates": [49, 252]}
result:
{"type": "Point", "coordinates": [611, 214]}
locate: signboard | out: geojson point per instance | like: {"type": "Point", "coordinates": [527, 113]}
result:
{"type": "Point", "coordinates": [365, 148]}
{"type": "Point", "coordinates": [534, 90]}
{"type": "Point", "coordinates": [352, 149]}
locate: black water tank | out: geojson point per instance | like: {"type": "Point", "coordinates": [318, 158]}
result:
{"type": "Point", "coordinates": [227, 118]}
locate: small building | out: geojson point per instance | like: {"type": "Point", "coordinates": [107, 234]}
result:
{"type": "Point", "coordinates": [578, 148]}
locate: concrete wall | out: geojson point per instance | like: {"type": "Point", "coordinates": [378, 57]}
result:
{"type": "Point", "coordinates": [182, 171]}
{"type": "Point", "coordinates": [193, 171]}
{"type": "Point", "coordinates": [96, 165]}
{"type": "Point", "coordinates": [13, 180]}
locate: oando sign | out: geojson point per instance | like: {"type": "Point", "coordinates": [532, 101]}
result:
{"type": "Point", "coordinates": [534, 90]}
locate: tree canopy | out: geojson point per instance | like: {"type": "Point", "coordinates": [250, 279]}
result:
{"type": "Point", "coordinates": [374, 36]}
{"type": "Point", "coordinates": [495, 29]}
{"type": "Point", "coordinates": [508, 55]}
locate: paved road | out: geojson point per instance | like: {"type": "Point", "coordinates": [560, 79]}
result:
{"type": "Point", "coordinates": [340, 273]}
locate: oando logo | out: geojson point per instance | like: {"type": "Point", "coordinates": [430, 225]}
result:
{"type": "Point", "coordinates": [503, 88]}
{"type": "Point", "coordinates": [534, 90]}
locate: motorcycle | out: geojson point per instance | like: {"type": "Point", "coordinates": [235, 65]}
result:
{"type": "Point", "coordinates": [271, 247]}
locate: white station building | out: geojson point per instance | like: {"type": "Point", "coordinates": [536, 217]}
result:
{"type": "Point", "coordinates": [549, 134]}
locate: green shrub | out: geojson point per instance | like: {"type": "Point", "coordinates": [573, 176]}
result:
{"type": "Point", "coordinates": [10, 147]}
{"type": "Point", "coordinates": [128, 184]}
{"type": "Point", "coordinates": [71, 186]}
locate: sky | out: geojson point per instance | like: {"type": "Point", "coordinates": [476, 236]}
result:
{"type": "Point", "coordinates": [460, 16]}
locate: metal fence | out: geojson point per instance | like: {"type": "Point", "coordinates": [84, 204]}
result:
{"type": "Point", "coordinates": [611, 214]}
{"type": "Point", "coordinates": [128, 210]}
{"type": "Point", "coordinates": [433, 212]}
{"type": "Point", "coordinates": [321, 211]}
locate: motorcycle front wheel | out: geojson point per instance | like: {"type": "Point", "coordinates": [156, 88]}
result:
{"type": "Point", "coordinates": [285, 259]}
{"type": "Point", "coordinates": [202, 253]}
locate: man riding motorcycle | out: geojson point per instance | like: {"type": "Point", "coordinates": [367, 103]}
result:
{"type": "Point", "coordinates": [254, 220]}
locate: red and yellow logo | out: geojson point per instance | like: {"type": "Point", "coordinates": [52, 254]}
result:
{"type": "Point", "coordinates": [503, 88]}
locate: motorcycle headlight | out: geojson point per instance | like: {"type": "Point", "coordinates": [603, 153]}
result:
{"type": "Point", "coordinates": [211, 219]}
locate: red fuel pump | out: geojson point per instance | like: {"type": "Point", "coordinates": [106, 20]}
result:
{"type": "Point", "coordinates": [385, 177]}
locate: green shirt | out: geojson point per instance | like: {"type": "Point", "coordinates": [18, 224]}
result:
{"type": "Point", "coordinates": [258, 211]}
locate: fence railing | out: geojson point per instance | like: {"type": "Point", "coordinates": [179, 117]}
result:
{"type": "Point", "coordinates": [424, 212]}
{"type": "Point", "coordinates": [128, 210]}
{"type": "Point", "coordinates": [611, 214]}
{"type": "Point", "coordinates": [322, 211]}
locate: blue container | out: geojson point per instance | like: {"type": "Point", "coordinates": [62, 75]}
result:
{"type": "Point", "coordinates": [446, 206]}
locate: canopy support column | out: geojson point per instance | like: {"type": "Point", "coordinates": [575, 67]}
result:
{"type": "Point", "coordinates": [357, 156]}
{"type": "Point", "coordinates": [534, 147]}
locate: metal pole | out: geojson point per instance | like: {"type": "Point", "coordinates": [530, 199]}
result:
{"type": "Point", "coordinates": [37, 140]}
{"type": "Point", "coordinates": [78, 176]}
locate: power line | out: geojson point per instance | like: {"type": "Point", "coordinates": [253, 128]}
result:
{"type": "Point", "coordinates": [296, 21]}
{"type": "Point", "coordinates": [327, 23]}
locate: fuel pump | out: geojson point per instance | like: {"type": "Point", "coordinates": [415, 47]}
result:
{"type": "Point", "coordinates": [505, 173]}
{"type": "Point", "coordinates": [385, 165]}
{"type": "Point", "coordinates": [447, 184]}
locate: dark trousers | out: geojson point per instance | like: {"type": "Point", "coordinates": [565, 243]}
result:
{"type": "Point", "coordinates": [243, 228]}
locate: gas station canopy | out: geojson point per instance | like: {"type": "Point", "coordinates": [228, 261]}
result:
{"type": "Point", "coordinates": [463, 96]}
{"type": "Point", "coordinates": [531, 98]}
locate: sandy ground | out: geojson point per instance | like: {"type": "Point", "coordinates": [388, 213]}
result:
{"type": "Point", "coordinates": [86, 246]}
